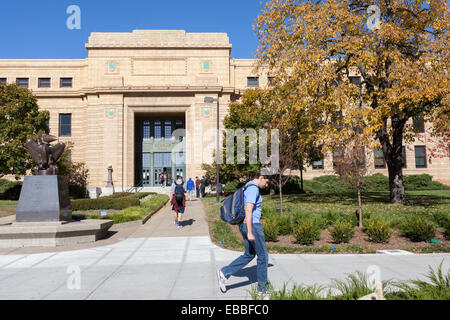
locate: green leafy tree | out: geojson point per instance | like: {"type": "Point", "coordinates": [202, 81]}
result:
{"type": "Point", "coordinates": [76, 173]}
{"type": "Point", "coordinates": [20, 119]}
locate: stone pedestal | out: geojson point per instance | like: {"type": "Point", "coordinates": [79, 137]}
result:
{"type": "Point", "coordinates": [54, 233]}
{"type": "Point", "coordinates": [44, 198]}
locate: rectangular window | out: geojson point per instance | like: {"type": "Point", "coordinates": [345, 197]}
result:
{"type": "Point", "coordinates": [252, 81]}
{"type": "Point", "coordinates": [420, 153]}
{"type": "Point", "coordinates": [65, 82]}
{"type": "Point", "coordinates": [167, 129]}
{"type": "Point", "coordinates": [378, 156]}
{"type": "Point", "coordinates": [22, 82]}
{"type": "Point", "coordinates": [338, 155]}
{"type": "Point", "coordinates": [146, 130]}
{"type": "Point", "coordinates": [44, 83]}
{"type": "Point", "coordinates": [146, 160]}
{"type": "Point", "coordinates": [317, 164]}
{"type": "Point", "coordinates": [419, 124]}
{"type": "Point", "coordinates": [2, 80]}
{"type": "Point", "coordinates": [179, 124]}
{"type": "Point", "coordinates": [270, 80]}
{"type": "Point", "coordinates": [157, 130]}
{"type": "Point", "coordinates": [65, 124]}
{"type": "Point", "coordinates": [162, 159]}
{"type": "Point", "coordinates": [355, 80]}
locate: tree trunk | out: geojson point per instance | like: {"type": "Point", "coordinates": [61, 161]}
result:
{"type": "Point", "coordinates": [393, 156]}
{"type": "Point", "coordinates": [396, 187]}
{"type": "Point", "coordinates": [301, 180]}
{"type": "Point", "coordinates": [359, 207]}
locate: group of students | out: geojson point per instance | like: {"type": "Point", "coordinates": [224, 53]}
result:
{"type": "Point", "coordinates": [178, 198]}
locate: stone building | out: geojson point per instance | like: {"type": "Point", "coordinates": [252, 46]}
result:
{"type": "Point", "coordinates": [137, 102]}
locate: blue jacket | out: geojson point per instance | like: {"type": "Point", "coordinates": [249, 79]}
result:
{"type": "Point", "coordinates": [190, 185]}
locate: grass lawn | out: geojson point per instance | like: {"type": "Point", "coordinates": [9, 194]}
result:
{"type": "Point", "coordinates": [327, 207]}
{"type": "Point", "coordinates": [7, 207]}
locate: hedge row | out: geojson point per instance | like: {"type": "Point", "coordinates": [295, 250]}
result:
{"type": "Point", "coordinates": [110, 202]}
{"type": "Point", "coordinates": [135, 212]}
{"type": "Point", "coordinates": [332, 184]}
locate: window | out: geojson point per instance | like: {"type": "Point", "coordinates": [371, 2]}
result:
{"type": "Point", "coordinates": [378, 156]}
{"type": "Point", "coordinates": [355, 80]}
{"type": "Point", "coordinates": [167, 129]}
{"type": "Point", "coordinates": [65, 124]}
{"type": "Point", "coordinates": [65, 82]}
{"type": "Point", "coordinates": [421, 160]}
{"type": "Point", "coordinates": [146, 129]}
{"type": "Point", "coordinates": [162, 159]}
{"type": "Point", "coordinates": [146, 160]}
{"type": "Point", "coordinates": [317, 164]}
{"type": "Point", "coordinates": [22, 82]}
{"type": "Point", "coordinates": [338, 155]}
{"type": "Point", "coordinates": [44, 82]}
{"type": "Point", "coordinates": [2, 80]}
{"type": "Point", "coordinates": [252, 81]}
{"type": "Point", "coordinates": [47, 123]}
{"type": "Point", "coordinates": [419, 124]}
{"type": "Point", "coordinates": [158, 130]}
{"type": "Point", "coordinates": [179, 124]}
{"type": "Point", "coordinates": [270, 80]}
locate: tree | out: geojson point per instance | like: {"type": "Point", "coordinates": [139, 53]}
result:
{"type": "Point", "coordinates": [76, 173]}
{"type": "Point", "coordinates": [352, 167]}
{"type": "Point", "coordinates": [401, 64]}
{"type": "Point", "coordinates": [20, 119]}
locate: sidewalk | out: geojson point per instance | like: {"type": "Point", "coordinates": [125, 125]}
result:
{"type": "Point", "coordinates": [159, 261]}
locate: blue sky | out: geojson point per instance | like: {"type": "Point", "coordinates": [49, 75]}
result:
{"type": "Point", "coordinates": [37, 29]}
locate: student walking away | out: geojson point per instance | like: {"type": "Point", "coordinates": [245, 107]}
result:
{"type": "Point", "coordinates": [202, 186]}
{"type": "Point", "coordinates": [178, 201]}
{"type": "Point", "coordinates": [253, 235]}
{"type": "Point", "coordinates": [197, 187]}
{"type": "Point", "coordinates": [190, 188]}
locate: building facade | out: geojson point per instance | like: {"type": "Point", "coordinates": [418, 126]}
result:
{"type": "Point", "coordinates": [137, 102]}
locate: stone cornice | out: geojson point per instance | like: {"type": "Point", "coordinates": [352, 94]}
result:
{"type": "Point", "coordinates": [135, 89]}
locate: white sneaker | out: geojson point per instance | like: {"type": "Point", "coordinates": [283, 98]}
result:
{"type": "Point", "coordinates": [221, 278]}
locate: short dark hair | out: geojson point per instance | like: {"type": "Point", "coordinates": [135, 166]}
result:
{"type": "Point", "coordinates": [258, 174]}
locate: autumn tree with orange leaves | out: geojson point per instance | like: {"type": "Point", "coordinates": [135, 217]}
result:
{"type": "Point", "coordinates": [398, 50]}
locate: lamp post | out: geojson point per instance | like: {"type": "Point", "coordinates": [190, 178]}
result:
{"type": "Point", "coordinates": [211, 100]}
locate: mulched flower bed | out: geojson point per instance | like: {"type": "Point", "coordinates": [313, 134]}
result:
{"type": "Point", "coordinates": [360, 238]}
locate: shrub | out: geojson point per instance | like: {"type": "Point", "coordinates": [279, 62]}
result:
{"type": "Point", "coordinates": [378, 229]}
{"type": "Point", "coordinates": [306, 231]}
{"type": "Point", "coordinates": [422, 182]}
{"type": "Point", "coordinates": [231, 186]}
{"type": "Point", "coordinates": [376, 182]}
{"type": "Point", "coordinates": [342, 231]}
{"type": "Point", "coordinates": [284, 223]}
{"type": "Point", "coordinates": [418, 228]}
{"type": "Point", "coordinates": [270, 227]}
{"type": "Point", "coordinates": [104, 203]}
{"type": "Point", "coordinates": [443, 220]}
{"type": "Point", "coordinates": [10, 190]}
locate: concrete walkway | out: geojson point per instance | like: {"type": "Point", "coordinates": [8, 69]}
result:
{"type": "Point", "coordinates": [159, 261]}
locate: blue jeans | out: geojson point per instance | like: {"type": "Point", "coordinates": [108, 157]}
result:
{"type": "Point", "coordinates": [198, 192]}
{"type": "Point", "coordinates": [252, 248]}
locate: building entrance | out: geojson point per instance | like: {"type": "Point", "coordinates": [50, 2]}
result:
{"type": "Point", "coordinates": [160, 146]}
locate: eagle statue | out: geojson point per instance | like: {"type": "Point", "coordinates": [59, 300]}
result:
{"type": "Point", "coordinates": [45, 154]}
